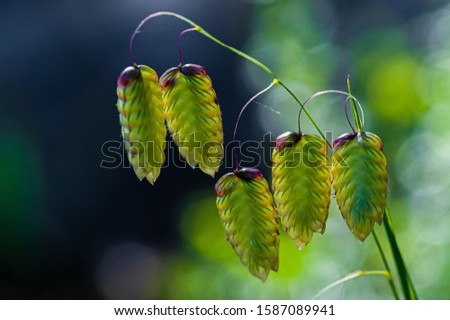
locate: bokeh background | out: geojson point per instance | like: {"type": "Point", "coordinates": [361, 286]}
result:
{"type": "Point", "coordinates": [71, 229]}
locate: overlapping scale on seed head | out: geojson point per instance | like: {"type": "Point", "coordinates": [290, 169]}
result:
{"type": "Point", "coordinates": [360, 180]}
{"type": "Point", "coordinates": [142, 118]}
{"type": "Point", "coordinates": [249, 218]}
{"type": "Point", "coordinates": [193, 116]}
{"type": "Point", "coordinates": [301, 184]}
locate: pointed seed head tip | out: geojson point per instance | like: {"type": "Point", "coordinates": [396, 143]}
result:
{"type": "Point", "coordinates": [128, 75]}
{"type": "Point", "coordinates": [192, 70]}
{"type": "Point", "coordinates": [249, 174]}
{"type": "Point", "coordinates": [168, 78]}
{"type": "Point", "coordinates": [287, 139]}
{"type": "Point", "coordinates": [343, 138]}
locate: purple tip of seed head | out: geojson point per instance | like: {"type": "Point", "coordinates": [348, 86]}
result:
{"type": "Point", "coordinates": [249, 174]}
{"type": "Point", "coordinates": [192, 70]}
{"type": "Point", "coordinates": [218, 188]}
{"type": "Point", "coordinates": [343, 138]}
{"type": "Point", "coordinates": [128, 75]}
{"type": "Point", "coordinates": [168, 78]}
{"type": "Point", "coordinates": [287, 139]}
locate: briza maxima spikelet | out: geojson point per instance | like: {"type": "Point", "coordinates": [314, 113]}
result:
{"type": "Point", "coordinates": [360, 180]}
{"type": "Point", "coordinates": [142, 118]}
{"type": "Point", "coordinates": [301, 184]}
{"type": "Point", "coordinates": [193, 116]}
{"type": "Point", "coordinates": [249, 218]}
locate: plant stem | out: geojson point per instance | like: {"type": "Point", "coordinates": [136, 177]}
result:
{"type": "Point", "coordinates": [266, 69]}
{"type": "Point", "coordinates": [355, 110]}
{"type": "Point", "coordinates": [236, 51]}
{"type": "Point", "coordinates": [306, 111]}
{"type": "Point", "coordinates": [351, 276]}
{"type": "Point", "coordinates": [386, 265]}
{"type": "Point", "coordinates": [275, 81]}
{"type": "Point", "coordinates": [179, 43]}
{"type": "Point", "coordinates": [407, 286]}
{"type": "Point", "coordinates": [320, 93]}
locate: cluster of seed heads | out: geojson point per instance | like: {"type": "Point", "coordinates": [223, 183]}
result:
{"type": "Point", "coordinates": [183, 99]}
{"type": "Point", "coordinates": [301, 183]}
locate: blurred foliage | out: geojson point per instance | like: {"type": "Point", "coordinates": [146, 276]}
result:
{"type": "Point", "coordinates": [20, 187]}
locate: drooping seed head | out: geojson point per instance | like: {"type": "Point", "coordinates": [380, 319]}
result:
{"type": "Point", "coordinates": [301, 184]}
{"type": "Point", "coordinates": [142, 119]}
{"type": "Point", "coordinates": [360, 181]}
{"type": "Point", "coordinates": [193, 116]}
{"type": "Point", "coordinates": [249, 219]}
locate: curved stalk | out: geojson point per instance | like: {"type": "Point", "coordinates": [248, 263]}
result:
{"type": "Point", "coordinates": [275, 81]}
{"type": "Point", "coordinates": [320, 93]}
{"type": "Point", "coordinates": [358, 123]}
{"type": "Point", "coordinates": [351, 276]}
{"type": "Point", "coordinates": [180, 53]}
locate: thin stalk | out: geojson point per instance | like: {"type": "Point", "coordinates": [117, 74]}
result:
{"type": "Point", "coordinates": [179, 43]}
{"type": "Point", "coordinates": [358, 124]}
{"type": "Point", "coordinates": [351, 276]}
{"type": "Point", "coordinates": [149, 17]}
{"type": "Point", "coordinates": [275, 81]}
{"type": "Point", "coordinates": [306, 111]}
{"type": "Point", "coordinates": [320, 93]}
{"type": "Point", "coordinates": [347, 117]}
{"type": "Point", "coordinates": [407, 286]}
{"type": "Point", "coordinates": [266, 69]}
{"type": "Point", "coordinates": [386, 265]}
{"type": "Point", "coordinates": [236, 51]}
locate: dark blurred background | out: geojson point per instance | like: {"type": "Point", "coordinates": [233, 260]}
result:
{"type": "Point", "coordinates": [70, 229]}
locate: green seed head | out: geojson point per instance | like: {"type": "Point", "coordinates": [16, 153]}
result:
{"type": "Point", "coordinates": [360, 181]}
{"type": "Point", "coordinates": [193, 116]}
{"type": "Point", "coordinates": [142, 118]}
{"type": "Point", "coordinates": [249, 218]}
{"type": "Point", "coordinates": [301, 184]}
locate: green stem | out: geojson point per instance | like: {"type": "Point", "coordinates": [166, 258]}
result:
{"type": "Point", "coordinates": [386, 265]}
{"type": "Point", "coordinates": [305, 110]}
{"type": "Point", "coordinates": [236, 51]}
{"type": "Point", "coordinates": [351, 276]}
{"type": "Point", "coordinates": [354, 108]}
{"type": "Point", "coordinates": [265, 68]}
{"type": "Point", "coordinates": [407, 286]}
